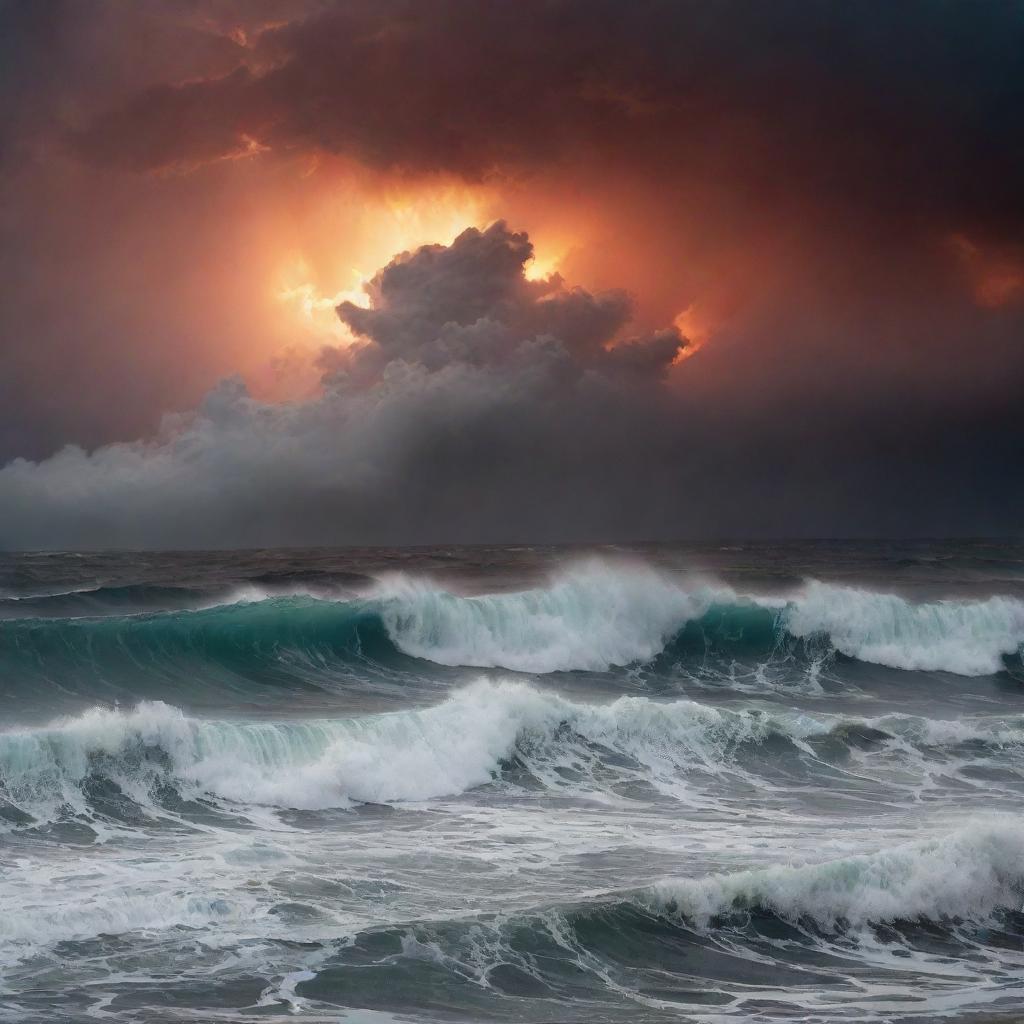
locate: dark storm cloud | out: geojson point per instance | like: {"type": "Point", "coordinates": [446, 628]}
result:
{"type": "Point", "coordinates": [464, 302]}
{"type": "Point", "coordinates": [847, 175]}
{"type": "Point", "coordinates": [481, 404]}
{"type": "Point", "coordinates": [910, 110]}
{"type": "Point", "coordinates": [80, 282]}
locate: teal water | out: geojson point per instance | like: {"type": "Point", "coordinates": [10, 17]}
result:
{"type": "Point", "coordinates": [726, 782]}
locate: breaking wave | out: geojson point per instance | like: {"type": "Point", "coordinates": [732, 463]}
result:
{"type": "Point", "coordinates": [483, 733]}
{"type": "Point", "coordinates": [591, 618]}
{"type": "Point", "coordinates": [598, 616]}
{"type": "Point", "coordinates": [691, 941]}
{"type": "Point", "coordinates": [965, 875]}
{"type": "Point", "coordinates": [594, 617]}
{"type": "Point", "coordinates": [968, 638]}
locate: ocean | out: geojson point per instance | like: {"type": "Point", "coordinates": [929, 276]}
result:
{"type": "Point", "coordinates": [702, 782]}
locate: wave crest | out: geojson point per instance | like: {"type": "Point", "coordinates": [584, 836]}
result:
{"type": "Point", "coordinates": [968, 638]}
{"type": "Point", "coordinates": [469, 740]}
{"type": "Point", "coordinates": [592, 617]}
{"type": "Point", "coordinates": [968, 874]}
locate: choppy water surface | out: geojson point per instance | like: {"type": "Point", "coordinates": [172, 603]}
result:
{"type": "Point", "coordinates": [719, 783]}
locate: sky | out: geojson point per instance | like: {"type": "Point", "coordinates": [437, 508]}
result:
{"type": "Point", "coordinates": [386, 271]}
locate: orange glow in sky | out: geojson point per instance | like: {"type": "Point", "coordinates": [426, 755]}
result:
{"type": "Point", "coordinates": [312, 279]}
{"type": "Point", "coordinates": [996, 277]}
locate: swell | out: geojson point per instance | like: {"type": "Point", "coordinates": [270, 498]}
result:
{"type": "Point", "coordinates": [685, 941]}
{"type": "Point", "coordinates": [594, 617]}
{"type": "Point", "coordinates": [488, 732]}
{"type": "Point", "coordinates": [968, 874]}
{"type": "Point", "coordinates": [102, 600]}
{"type": "Point", "coordinates": [691, 944]}
{"type": "Point", "coordinates": [246, 649]}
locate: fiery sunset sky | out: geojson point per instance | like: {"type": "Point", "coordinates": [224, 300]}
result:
{"type": "Point", "coordinates": [694, 269]}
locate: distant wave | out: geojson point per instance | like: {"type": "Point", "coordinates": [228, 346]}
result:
{"type": "Point", "coordinates": [478, 735]}
{"type": "Point", "coordinates": [592, 617]}
{"type": "Point", "coordinates": [141, 598]}
{"type": "Point", "coordinates": [100, 600]}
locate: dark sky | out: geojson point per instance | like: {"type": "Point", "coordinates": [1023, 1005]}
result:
{"type": "Point", "coordinates": [689, 269]}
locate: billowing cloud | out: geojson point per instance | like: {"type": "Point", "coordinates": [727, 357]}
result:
{"type": "Point", "coordinates": [480, 405]}
{"type": "Point", "coordinates": [479, 402]}
{"type": "Point", "coordinates": [826, 198]}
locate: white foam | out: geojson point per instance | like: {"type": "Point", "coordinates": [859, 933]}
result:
{"type": "Point", "coordinates": [122, 909]}
{"type": "Point", "coordinates": [408, 755]}
{"type": "Point", "coordinates": [967, 874]}
{"type": "Point", "coordinates": [936, 732]}
{"type": "Point", "coordinates": [598, 615]}
{"type": "Point", "coordinates": [591, 617]}
{"type": "Point", "coordinates": [304, 764]}
{"type": "Point", "coordinates": [964, 637]}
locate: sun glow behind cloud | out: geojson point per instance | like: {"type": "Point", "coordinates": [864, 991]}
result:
{"type": "Point", "coordinates": [311, 281]}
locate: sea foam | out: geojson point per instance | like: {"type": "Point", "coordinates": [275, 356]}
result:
{"type": "Point", "coordinates": [590, 617]}
{"type": "Point", "coordinates": [967, 874]}
{"type": "Point", "coordinates": [464, 742]}
{"type": "Point", "coordinates": [964, 637]}
{"type": "Point", "coordinates": [596, 616]}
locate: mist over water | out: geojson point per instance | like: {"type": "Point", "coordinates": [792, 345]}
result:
{"type": "Point", "coordinates": [726, 782]}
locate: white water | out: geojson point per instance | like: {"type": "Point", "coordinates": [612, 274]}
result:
{"type": "Point", "coordinates": [590, 618]}
{"type": "Point", "coordinates": [965, 637]}
{"type": "Point", "coordinates": [967, 874]}
{"type": "Point", "coordinates": [596, 616]}
{"type": "Point", "coordinates": [520, 814]}
{"type": "Point", "coordinates": [409, 755]}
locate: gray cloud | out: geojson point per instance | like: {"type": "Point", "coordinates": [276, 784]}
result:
{"type": "Point", "coordinates": [479, 403]}
{"type": "Point", "coordinates": [484, 406]}
{"type": "Point", "coordinates": [802, 170]}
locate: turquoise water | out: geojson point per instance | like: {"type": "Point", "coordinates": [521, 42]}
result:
{"type": "Point", "coordinates": [720, 782]}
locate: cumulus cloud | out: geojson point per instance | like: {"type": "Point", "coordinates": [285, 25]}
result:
{"type": "Point", "coordinates": [471, 303]}
{"type": "Point", "coordinates": [832, 196]}
{"type": "Point", "coordinates": [480, 404]}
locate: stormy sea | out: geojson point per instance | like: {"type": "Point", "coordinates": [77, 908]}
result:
{"type": "Point", "coordinates": [716, 783]}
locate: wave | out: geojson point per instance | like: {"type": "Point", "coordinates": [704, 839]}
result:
{"type": "Point", "coordinates": [593, 617]}
{"type": "Point", "coordinates": [250, 645]}
{"type": "Point", "coordinates": [597, 616]}
{"type": "Point", "coordinates": [409, 755]}
{"type": "Point", "coordinates": [948, 883]}
{"type": "Point", "coordinates": [822, 938]}
{"type": "Point", "coordinates": [811, 929]}
{"type": "Point", "coordinates": [136, 599]}
{"type": "Point", "coordinates": [101, 600]}
{"type": "Point", "coordinates": [122, 911]}
{"type": "Point", "coordinates": [483, 733]}
{"type": "Point", "coordinates": [967, 638]}
{"type": "Point", "coordinates": [966, 875]}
